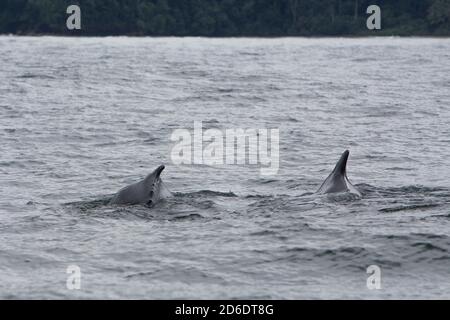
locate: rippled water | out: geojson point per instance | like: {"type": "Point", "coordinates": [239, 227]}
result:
{"type": "Point", "coordinates": [81, 118]}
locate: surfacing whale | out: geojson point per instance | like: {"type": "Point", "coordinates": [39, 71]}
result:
{"type": "Point", "coordinates": [337, 181]}
{"type": "Point", "coordinates": [145, 192]}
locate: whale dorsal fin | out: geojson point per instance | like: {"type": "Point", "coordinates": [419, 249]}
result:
{"type": "Point", "coordinates": [154, 176]}
{"type": "Point", "coordinates": [341, 165]}
{"type": "Point", "coordinates": [146, 191]}
{"type": "Point", "coordinates": [337, 181]}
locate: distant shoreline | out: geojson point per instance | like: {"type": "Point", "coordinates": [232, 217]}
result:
{"type": "Point", "coordinates": [226, 18]}
{"type": "Point", "coordinates": [37, 35]}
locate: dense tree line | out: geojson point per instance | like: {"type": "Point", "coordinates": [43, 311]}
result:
{"type": "Point", "coordinates": [226, 17]}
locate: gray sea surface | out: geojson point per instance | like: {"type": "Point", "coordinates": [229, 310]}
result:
{"type": "Point", "coordinates": [81, 118]}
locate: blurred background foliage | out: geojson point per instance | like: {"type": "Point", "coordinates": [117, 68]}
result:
{"type": "Point", "coordinates": [226, 17]}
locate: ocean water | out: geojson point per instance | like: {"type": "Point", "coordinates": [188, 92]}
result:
{"type": "Point", "coordinates": [81, 118]}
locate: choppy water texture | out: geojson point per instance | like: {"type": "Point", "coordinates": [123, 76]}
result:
{"type": "Point", "coordinates": [81, 118]}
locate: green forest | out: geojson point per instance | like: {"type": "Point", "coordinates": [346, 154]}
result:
{"type": "Point", "coordinates": [224, 18]}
